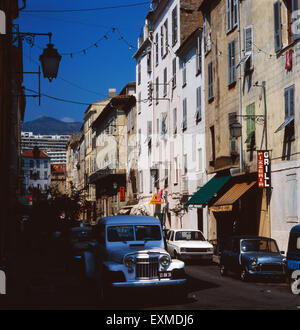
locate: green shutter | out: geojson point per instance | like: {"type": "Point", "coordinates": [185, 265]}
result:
{"type": "Point", "coordinates": [250, 111]}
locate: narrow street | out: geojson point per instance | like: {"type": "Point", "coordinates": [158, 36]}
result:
{"type": "Point", "coordinates": [55, 288]}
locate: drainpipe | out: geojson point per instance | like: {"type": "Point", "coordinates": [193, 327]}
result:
{"type": "Point", "coordinates": [240, 89]}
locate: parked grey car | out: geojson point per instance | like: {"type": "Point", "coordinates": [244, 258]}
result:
{"type": "Point", "coordinates": [252, 256]}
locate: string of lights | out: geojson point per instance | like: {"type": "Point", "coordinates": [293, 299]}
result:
{"type": "Point", "coordinates": [85, 9]}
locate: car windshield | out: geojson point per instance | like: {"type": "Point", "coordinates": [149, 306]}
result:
{"type": "Point", "coordinates": [259, 245]}
{"type": "Point", "coordinates": [189, 236]}
{"type": "Point", "coordinates": [133, 233]}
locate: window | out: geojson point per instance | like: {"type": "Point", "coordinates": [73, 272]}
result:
{"type": "Point", "coordinates": [200, 160]}
{"type": "Point", "coordinates": [198, 56]}
{"type": "Point", "coordinates": [149, 62]}
{"type": "Point", "coordinates": [289, 114]}
{"type": "Point", "coordinates": [157, 90]}
{"type": "Point", "coordinates": [198, 104]}
{"type": "Point", "coordinates": [232, 14]}
{"type": "Point", "coordinates": [175, 121]}
{"type": "Point", "coordinates": [233, 148]}
{"type": "Point", "coordinates": [250, 112]}
{"type": "Point", "coordinates": [149, 129]}
{"type": "Point", "coordinates": [150, 182]}
{"type": "Point", "coordinates": [176, 170]}
{"type": "Point", "coordinates": [184, 114]}
{"type": "Point", "coordinates": [277, 26]}
{"type": "Point", "coordinates": [139, 107]}
{"type": "Point", "coordinates": [140, 142]}
{"type": "Point", "coordinates": [248, 48]}
{"type": "Point", "coordinates": [139, 73]}
{"type": "Point", "coordinates": [231, 63]}
{"type": "Point", "coordinates": [174, 73]}
{"type": "Point", "coordinates": [213, 146]}
{"type": "Point", "coordinates": [174, 26]}
{"type": "Point", "coordinates": [165, 82]}
{"type": "Point", "coordinates": [156, 50]}
{"type": "Point", "coordinates": [210, 82]}
{"type": "Point", "coordinates": [157, 126]}
{"type": "Point", "coordinates": [38, 163]}
{"type": "Point", "coordinates": [166, 43]}
{"type": "Point", "coordinates": [31, 163]}
{"type": "Point", "coordinates": [183, 73]}
{"type": "Point", "coordinates": [45, 175]}
{"type": "Point", "coordinates": [289, 110]}
{"type": "Point", "coordinates": [205, 35]}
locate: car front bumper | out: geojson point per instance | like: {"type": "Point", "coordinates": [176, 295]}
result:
{"type": "Point", "coordinates": [192, 256]}
{"type": "Point", "coordinates": [149, 283]}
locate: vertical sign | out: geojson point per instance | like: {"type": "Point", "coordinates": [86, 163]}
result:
{"type": "Point", "coordinates": [2, 282]}
{"type": "Point", "coordinates": [122, 194]}
{"type": "Point", "coordinates": [264, 169]}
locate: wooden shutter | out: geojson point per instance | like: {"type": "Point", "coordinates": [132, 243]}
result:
{"type": "Point", "coordinates": [210, 82]}
{"type": "Point", "coordinates": [184, 114]}
{"type": "Point", "coordinates": [231, 63]}
{"type": "Point", "coordinates": [228, 15]}
{"type": "Point", "coordinates": [174, 26]}
{"type": "Point", "coordinates": [250, 111]}
{"type": "Point", "coordinates": [277, 26]}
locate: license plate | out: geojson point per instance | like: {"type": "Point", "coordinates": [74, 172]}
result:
{"type": "Point", "coordinates": [165, 274]}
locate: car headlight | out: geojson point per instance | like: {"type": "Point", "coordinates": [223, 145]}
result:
{"type": "Point", "coordinates": [253, 261]}
{"type": "Point", "coordinates": [165, 261]}
{"type": "Point", "coordinates": [129, 261]}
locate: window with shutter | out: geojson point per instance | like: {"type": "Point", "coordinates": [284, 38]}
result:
{"type": "Point", "coordinates": [198, 104]}
{"type": "Point", "coordinates": [184, 114]}
{"type": "Point", "coordinates": [231, 63]}
{"type": "Point", "coordinates": [210, 82]}
{"type": "Point", "coordinates": [198, 56]}
{"type": "Point", "coordinates": [250, 112]}
{"type": "Point", "coordinates": [156, 50]}
{"type": "Point", "coordinates": [175, 121]}
{"type": "Point", "coordinates": [174, 73]}
{"type": "Point", "coordinates": [231, 14]}
{"type": "Point", "coordinates": [174, 26]}
{"type": "Point", "coordinates": [248, 47]}
{"type": "Point", "coordinates": [157, 90]}
{"type": "Point", "coordinates": [289, 114]}
{"type": "Point", "coordinates": [277, 26]}
{"type": "Point", "coordinates": [183, 73]}
{"type": "Point", "coordinates": [165, 82]}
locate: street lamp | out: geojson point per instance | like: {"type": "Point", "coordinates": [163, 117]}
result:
{"type": "Point", "coordinates": [236, 130]}
{"type": "Point", "coordinates": [50, 60]}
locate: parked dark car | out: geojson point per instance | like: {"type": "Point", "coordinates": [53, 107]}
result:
{"type": "Point", "coordinates": [79, 238]}
{"type": "Point", "coordinates": [293, 259]}
{"type": "Point", "coordinates": [252, 256]}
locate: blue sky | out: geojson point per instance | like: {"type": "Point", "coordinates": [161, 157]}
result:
{"type": "Point", "coordinates": [84, 76]}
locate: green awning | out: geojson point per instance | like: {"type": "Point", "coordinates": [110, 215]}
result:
{"type": "Point", "coordinates": [207, 192]}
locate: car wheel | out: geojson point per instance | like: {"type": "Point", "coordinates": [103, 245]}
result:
{"type": "Point", "coordinates": [223, 270]}
{"type": "Point", "coordinates": [243, 275]}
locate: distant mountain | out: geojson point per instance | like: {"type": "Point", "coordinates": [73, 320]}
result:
{"type": "Point", "coordinates": [48, 125]}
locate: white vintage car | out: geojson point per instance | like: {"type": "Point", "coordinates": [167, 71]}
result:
{"type": "Point", "coordinates": [188, 244]}
{"type": "Point", "coordinates": [128, 251]}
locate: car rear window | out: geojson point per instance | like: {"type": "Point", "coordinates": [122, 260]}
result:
{"type": "Point", "coordinates": [133, 233]}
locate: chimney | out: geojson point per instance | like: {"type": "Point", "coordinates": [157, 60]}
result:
{"type": "Point", "coordinates": [112, 92]}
